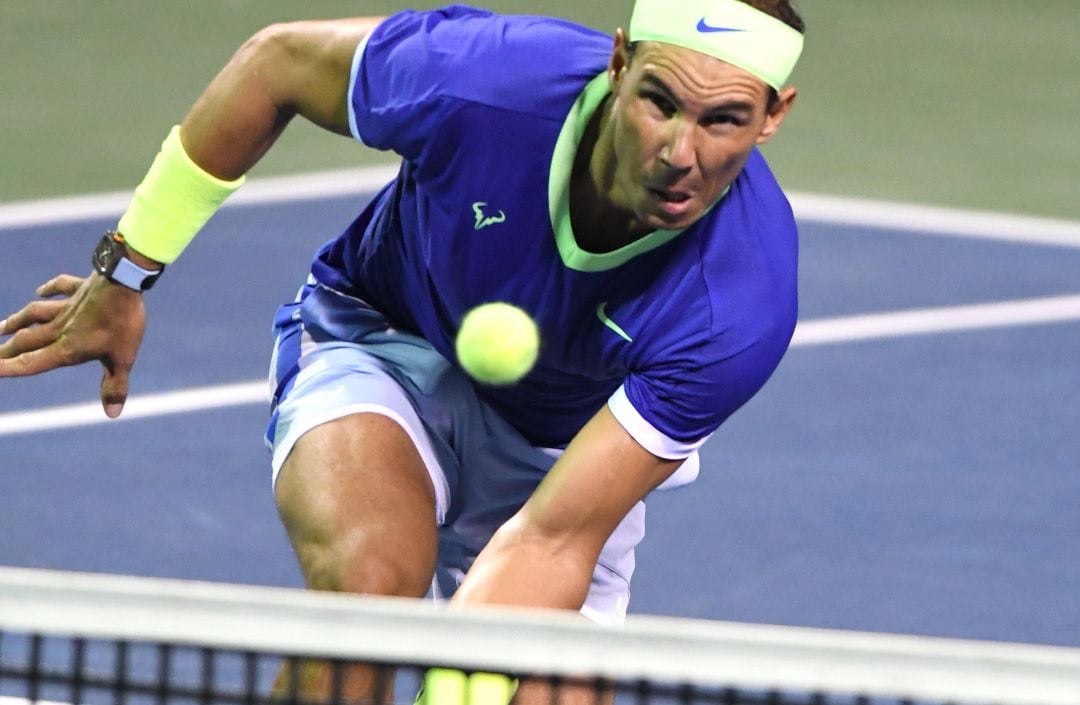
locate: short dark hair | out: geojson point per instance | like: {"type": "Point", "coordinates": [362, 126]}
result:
{"type": "Point", "coordinates": [783, 10]}
{"type": "Point", "coordinates": [786, 12]}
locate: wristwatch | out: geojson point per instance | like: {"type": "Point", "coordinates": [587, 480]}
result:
{"type": "Point", "coordinates": [111, 261]}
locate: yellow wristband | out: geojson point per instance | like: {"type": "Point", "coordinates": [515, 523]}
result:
{"type": "Point", "coordinates": [172, 203]}
{"type": "Point", "coordinates": [446, 686]}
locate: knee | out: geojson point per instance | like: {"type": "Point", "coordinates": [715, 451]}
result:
{"type": "Point", "coordinates": [358, 506]}
{"type": "Point", "coordinates": [343, 550]}
{"type": "Point", "coordinates": [356, 563]}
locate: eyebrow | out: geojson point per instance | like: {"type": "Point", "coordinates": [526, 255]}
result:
{"type": "Point", "coordinates": [725, 107]}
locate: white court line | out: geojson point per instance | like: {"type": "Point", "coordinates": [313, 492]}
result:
{"type": "Point", "coordinates": [138, 407]}
{"type": "Point", "coordinates": [808, 208]}
{"type": "Point", "coordinates": [934, 220]}
{"type": "Point", "coordinates": [261, 191]}
{"type": "Point", "coordinates": [823, 331]}
{"type": "Point", "coordinates": [874, 326]}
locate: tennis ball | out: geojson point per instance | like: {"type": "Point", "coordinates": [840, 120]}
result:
{"type": "Point", "coordinates": [447, 686]}
{"type": "Point", "coordinates": [497, 343]}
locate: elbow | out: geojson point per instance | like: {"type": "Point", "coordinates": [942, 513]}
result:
{"type": "Point", "coordinates": [247, 81]}
{"type": "Point", "coordinates": [304, 67]}
{"type": "Point", "coordinates": [285, 38]}
{"type": "Point", "coordinates": [267, 62]}
{"type": "Point", "coordinates": [264, 50]}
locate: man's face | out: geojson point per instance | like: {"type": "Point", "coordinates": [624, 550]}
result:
{"type": "Point", "coordinates": [684, 125]}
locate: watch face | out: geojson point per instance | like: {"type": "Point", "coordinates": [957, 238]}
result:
{"type": "Point", "coordinates": [110, 260]}
{"type": "Point", "coordinates": [106, 255]}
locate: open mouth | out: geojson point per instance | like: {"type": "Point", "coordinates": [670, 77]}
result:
{"type": "Point", "coordinates": [671, 205]}
{"type": "Point", "coordinates": [673, 197]}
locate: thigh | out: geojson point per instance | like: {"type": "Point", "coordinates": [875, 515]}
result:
{"type": "Point", "coordinates": [359, 507]}
{"type": "Point", "coordinates": [356, 478]}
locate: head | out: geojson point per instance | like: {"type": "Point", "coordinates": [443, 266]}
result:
{"type": "Point", "coordinates": [684, 122]}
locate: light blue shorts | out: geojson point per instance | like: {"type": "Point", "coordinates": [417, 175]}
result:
{"type": "Point", "coordinates": [482, 469]}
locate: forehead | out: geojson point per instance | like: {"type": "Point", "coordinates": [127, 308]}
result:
{"type": "Point", "coordinates": [694, 74]}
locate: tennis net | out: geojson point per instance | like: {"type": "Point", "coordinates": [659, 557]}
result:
{"type": "Point", "coordinates": [88, 639]}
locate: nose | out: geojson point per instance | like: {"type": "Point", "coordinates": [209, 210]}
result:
{"type": "Point", "coordinates": [678, 150]}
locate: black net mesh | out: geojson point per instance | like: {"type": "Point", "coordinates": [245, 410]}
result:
{"type": "Point", "coordinates": [55, 669]}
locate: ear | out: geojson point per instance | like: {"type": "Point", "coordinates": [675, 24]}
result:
{"type": "Point", "coordinates": [785, 99]}
{"type": "Point", "coordinates": [620, 59]}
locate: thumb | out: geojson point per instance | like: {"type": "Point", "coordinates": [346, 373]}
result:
{"type": "Point", "coordinates": [114, 390]}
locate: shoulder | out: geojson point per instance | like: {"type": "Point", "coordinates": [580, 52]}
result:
{"type": "Point", "coordinates": [765, 204]}
{"type": "Point", "coordinates": [424, 77]}
{"type": "Point", "coordinates": [457, 22]}
{"type": "Point", "coordinates": [477, 55]}
{"type": "Point", "coordinates": [723, 313]}
{"type": "Point", "coordinates": [746, 255]}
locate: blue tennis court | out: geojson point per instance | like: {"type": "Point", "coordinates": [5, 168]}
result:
{"type": "Point", "coordinates": [922, 482]}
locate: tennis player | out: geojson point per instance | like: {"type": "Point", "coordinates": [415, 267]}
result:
{"type": "Point", "coordinates": [615, 193]}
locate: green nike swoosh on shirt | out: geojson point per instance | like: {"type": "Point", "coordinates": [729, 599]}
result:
{"type": "Point", "coordinates": [610, 323]}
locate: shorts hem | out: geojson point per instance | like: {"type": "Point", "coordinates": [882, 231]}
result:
{"type": "Point", "coordinates": [438, 478]}
{"type": "Point", "coordinates": [601, 617]}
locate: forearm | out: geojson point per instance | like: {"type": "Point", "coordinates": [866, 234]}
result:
{"type": "Point", "coordinates": [237, 118]}
{"type": "Point", "coordinates": [525, 567]}
{"type": "Point", "coordinates": [545, 555]}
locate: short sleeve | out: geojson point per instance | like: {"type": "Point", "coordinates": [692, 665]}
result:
{"type": "Point", "coordinates": [400, 76]}
{"type": "Point", "coordinates": [719, 323]}
{"type": "Point", "coordinates": [418, 69]}
{"type": "Point", "coordinates": [672, 408]}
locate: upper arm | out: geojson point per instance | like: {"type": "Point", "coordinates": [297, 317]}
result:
{"type": "Point", "coordinates": [298, 68]}
{"type": "Point", "coordinates": [310, 66]}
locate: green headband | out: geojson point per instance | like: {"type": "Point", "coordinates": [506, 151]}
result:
{"type": "Point", "coordinates": [730, 30]}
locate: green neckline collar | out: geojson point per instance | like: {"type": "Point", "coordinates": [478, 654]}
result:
{"type": "Point", "coordinates": [562, 165]}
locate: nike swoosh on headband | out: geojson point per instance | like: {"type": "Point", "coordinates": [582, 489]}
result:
{"type": "Point", "coordinates": [705, 28]}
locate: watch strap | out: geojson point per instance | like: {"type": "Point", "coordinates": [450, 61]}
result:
{"type": "Point", "coordinates": [133, 276]}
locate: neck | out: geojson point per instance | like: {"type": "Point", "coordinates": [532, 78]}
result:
{"type": "Point", "coordinates": [599, 224]}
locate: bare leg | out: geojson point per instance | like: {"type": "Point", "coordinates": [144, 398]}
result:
{"type": "Point", "coordinates": [359, 508]}
{"type": "Point", "coordinates": [570, 691]}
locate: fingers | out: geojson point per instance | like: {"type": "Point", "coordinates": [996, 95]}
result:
{"type": "Point", "coordinates": [114, 389]}
{"type": "Point", "coordinates": [34, 362]}
{"type": "Point", "coordinates": [64, 284]}
{"type": "Point", "coordinates": [42, 311]}
{"type": "Point", "coordinates": [28, 340]}
{"type": "Point", "coordinates": [34, 345]}
{"type": "Point", "coordinates": [37, 312]}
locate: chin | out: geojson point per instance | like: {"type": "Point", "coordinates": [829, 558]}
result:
{"type": "Point", "coordinates": [665, 221]}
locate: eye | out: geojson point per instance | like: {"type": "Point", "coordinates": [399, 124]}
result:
{"type": "Point", "coordinates": [665, 106]}
{"type": "Point", "coordinates": [723, 119]}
